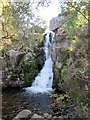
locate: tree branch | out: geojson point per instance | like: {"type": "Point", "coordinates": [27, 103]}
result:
{"type": "Point", "coordinates": [77, 10]}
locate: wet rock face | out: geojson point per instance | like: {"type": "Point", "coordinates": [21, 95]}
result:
{"type": "Point", "coordinates": [60, 43]}
{"type": "Point", "coordinates": [59, 55]}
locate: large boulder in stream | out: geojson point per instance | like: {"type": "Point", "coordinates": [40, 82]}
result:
{"type": "Point", "coordinates": [24, 114]}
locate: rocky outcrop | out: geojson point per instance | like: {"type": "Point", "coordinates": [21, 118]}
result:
{"type": "Point", "coordinates": [70, 62]}
{"type": "Point", "coordinates": [21, 67]}
{"type": "Point", "coordinates": [58, 55]}
{"type": "Point", "coordinates": [60, 43]}
{"type": "Point", "coordinates": [58, 22]}
{"type": "Point", "coordinates": [15, 57]}
{"type": "Point", "coordinates": [55, 22]}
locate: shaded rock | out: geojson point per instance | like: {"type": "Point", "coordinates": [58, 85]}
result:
{"type": "Point", "coordinates": [28, 56]}
{"type": "Point", "coordinates": [15, 57]}
{"type": "Point", "coordinates": [35, 116]}
{"type": "Point", "coordinates": [19, 57]}
{"type": "Point", "coordinates": [23, 114]}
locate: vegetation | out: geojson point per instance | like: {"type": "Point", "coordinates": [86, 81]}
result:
{"type": "Point", "coordinates": [21, 32]}
{"type": "Point", "coordinates": [74, 74]}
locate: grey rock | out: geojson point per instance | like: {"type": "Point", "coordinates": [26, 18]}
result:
{"type": "Point", "coordinates": [35, 116]}
{"type": "Point", "coordinates": [55, 22]}
{"type": "Point", "coordinates": [23, 114]}
{"type": "Point", "coordinates": [57, 118]}
{"type": "Point", "coordinates": [54, 118]}
{"type": "Point", "coordinates": [15, 57]}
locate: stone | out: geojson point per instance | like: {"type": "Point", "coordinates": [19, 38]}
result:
{"type": "Point", "coordinates": [19, 57]}
{"type": "Point", "coordinates": [23, 114]}
{"type": "Point", "coordinates": [15, 57]}
{"type": "Point", "coordinates": [28, 56]}
{"type": "Point", "coordinates": [15, 118]}
{"type": "Point", "coordinates": [35, 116]}
{"type": "Point", "coordinates": [46, 115]}
{"type": "Point", "coordinates": [54, 118]}
{"type": "Point", "coordinates": [58, 64]}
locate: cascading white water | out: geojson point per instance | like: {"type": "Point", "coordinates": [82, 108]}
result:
{"type": "Point", "coordinates": [43, 82]}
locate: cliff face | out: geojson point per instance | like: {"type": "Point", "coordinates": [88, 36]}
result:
{"type": "Point", "coordinates": [71, 66]}
{"type": "Point", "coordinates": [58, 22]}
{"type": "Point", "coordinates": [61, 43]}
{"type": "Point", "coordinates": [59, 54]}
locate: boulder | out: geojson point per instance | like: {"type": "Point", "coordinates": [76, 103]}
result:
{"type": "Point", "coordinates": [35, 116]}
{"type": "Point", "coordinates": [15, 57]}
{"type": "Point", "coordinates": [46, 115]}
{"type": "Point", "coordinates": [23, 114]}
{"type": "Point", "coordinates": [54, 118]}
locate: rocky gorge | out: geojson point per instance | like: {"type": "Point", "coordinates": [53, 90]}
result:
{"type": "Point", "coordinates": [40, 63]}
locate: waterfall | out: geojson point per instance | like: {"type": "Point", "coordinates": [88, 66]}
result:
{"type": "Point", "coordinates": [43, 81]}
